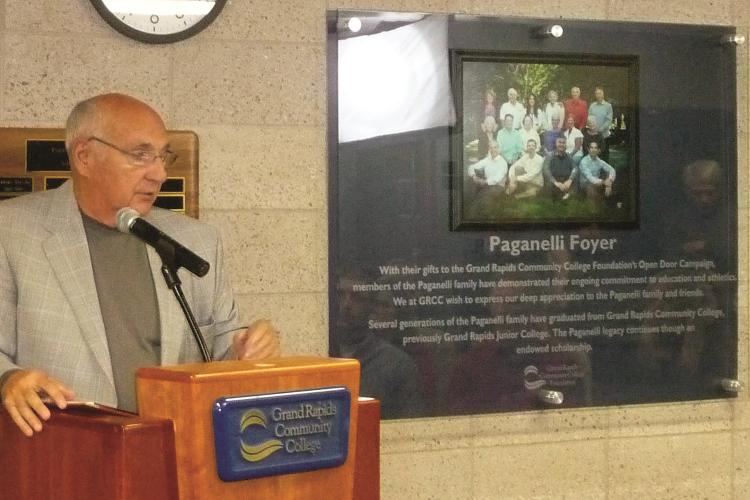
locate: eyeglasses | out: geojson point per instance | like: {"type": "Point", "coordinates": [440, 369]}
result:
{"type": "Point", "coordinates": [142, 157]}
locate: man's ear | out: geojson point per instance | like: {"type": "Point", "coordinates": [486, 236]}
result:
{"type": "Point", "coordinates": [81, 157]}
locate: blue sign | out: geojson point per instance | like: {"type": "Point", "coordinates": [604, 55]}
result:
{"type": "Point", "coordinates": [281, 433]}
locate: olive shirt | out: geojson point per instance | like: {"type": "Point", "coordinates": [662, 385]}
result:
{"type": "Point", "coordinates": [127, 299]}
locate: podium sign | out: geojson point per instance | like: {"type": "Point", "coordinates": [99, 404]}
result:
{"type": "Point", "coordinates": [280, 433]}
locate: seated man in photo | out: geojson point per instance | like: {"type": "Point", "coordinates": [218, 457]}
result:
{"type": "Point", "coordinates": [597, 176]}
{"type": "Point", "coordinates": [525, 177]}
{"type": "Point", "coordinates": [559, 172]}
{"type": "Point", "coordinates": [491, 171]}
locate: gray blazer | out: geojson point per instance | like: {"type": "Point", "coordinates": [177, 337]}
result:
{"type": "Point", "coordinates": [49, 310]}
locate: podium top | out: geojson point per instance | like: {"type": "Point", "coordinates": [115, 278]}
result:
{"type": "Point", "coordinates": [272, 367]}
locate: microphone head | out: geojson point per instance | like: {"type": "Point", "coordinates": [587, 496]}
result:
{"type": "Point", "coordinates": [126, 216]}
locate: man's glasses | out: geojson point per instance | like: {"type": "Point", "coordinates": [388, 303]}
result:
{"type": "Point", "coordinates": [142, 157]}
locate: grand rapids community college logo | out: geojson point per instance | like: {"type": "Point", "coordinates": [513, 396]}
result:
{"type": "Point", "coordinates": [267, 434]}
{"type": "Point", "coordinates": [301, 427]}
{"type": "Point", "coordinates": [257, 452]}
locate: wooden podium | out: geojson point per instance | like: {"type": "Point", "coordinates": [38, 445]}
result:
{"type": "Point", "coordinates": [167, 452]}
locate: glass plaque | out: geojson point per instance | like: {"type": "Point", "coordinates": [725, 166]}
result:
{"type": "Point", "coordinates": [528, 213]}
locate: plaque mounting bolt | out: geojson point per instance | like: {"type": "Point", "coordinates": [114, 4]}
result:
{"type": "Point", "coordinates": [735, 39]}
{"type": "Point", "coordinates": [731, 385]}
{"type": "Point", "coordinates": [548, 31]}
{"type": "Point", "coordinates": [549, 397]}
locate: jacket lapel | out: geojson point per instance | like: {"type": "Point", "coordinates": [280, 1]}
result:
{"type": "Point", "coordinates": [67, 251]}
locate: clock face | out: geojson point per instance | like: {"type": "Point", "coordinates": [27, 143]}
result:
{"type": "Point", "coordinates": [159, 21]}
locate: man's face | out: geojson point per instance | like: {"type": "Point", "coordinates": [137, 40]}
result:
{"type": "Point", "coordinates": [575, 92]}
{"type": "Point", "coordinates": [599, 95]}
{"type": "Point", "coordinates": [512, 95]}
{"type": "Point", "coordinates": [555, 123]}
{"type": "Point", "coordinates": [508, 122]}
{"type": "Point", "coordinates": [531, 147]}
{"type": "Point", "coordinates": [593, 150]}
{"type": "Point", "coordinates": [113, 179]}
{"type": "Point", "coordinates": [560, 145]}
{"type": "Point", "coordinates": [493, 150]}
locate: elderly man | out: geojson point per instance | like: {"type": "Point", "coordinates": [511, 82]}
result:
{"type": "Point", "coordinates": [525, 177]}
{"type": "Point", "coordinates": [602, 111]}
{"type": "Point", "coordinates": [514, 108]}
{"type": "Point", "coordinates": [576, 107]}
{"type": "Point", "coordinates": [491, 170]}
{"type": "Point", "coordinates": [559, 172]}
{"type": "Point", "coordinates": [597, 176]}
{"type": "Point", "coordinates": [83, 305]}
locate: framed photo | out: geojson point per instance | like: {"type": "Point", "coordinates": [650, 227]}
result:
{"type": "Point", "coordinates": [544, 140]}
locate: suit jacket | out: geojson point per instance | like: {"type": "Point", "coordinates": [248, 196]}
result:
{"type": "Point", "coordinates": [49, 309]}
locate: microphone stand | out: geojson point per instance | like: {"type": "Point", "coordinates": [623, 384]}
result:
{"type": "Point", "coordinates": [169, 271]}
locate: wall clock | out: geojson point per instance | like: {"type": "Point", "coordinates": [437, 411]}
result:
{"type": "Point", "coordinates": [159, 21]}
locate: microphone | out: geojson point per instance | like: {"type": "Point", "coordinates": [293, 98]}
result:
{"type": "Point", "coordinates": [130, 221]}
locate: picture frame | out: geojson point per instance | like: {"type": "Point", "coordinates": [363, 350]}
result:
{"type": "Point", "coordinates": [492, 190]}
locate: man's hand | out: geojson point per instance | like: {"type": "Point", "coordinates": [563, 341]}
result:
{"type": "Point", "coordinates": [22, 395]}
{"type": "Point", "coordinates": [260, 340]}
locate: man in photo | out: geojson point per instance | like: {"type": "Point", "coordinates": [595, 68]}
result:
{"type": "Point", "coordinates": [525, 177]}
{"type": "Point", "coordinates": [602, 111]}
{"type": "Point", "coordinates": [559, 173]}
{"type": "Point", "coordinates": [577, 107]}
{"type": "Point", "coordinates": [491, 171]}
{"type": "Point", "coordinates": [513, 107]}
{"type": "Point", "coordinates": [597, 176]}
{"type": "Point", "coordinates": [509, 141]}
{"type": "Point", "coordinates": [549, 138]}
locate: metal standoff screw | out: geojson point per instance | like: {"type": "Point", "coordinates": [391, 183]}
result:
{"type": "Point", "coordinates": [549, 397]}
{"type": "Point", "coordinates": [731, 385]}
{"type": "Point", "coordinates": [548, 31]}
{"type": "Point", "coordinates": [735, 39]}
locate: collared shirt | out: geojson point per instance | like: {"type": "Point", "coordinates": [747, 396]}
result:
{"type": "Point", "coordinates": [570, 139]}
{"type": "Point", "coordinates": [531, 168]}
{"type": "Point", "coordinates": [592, 169]}
{"type": "Point", "coordinates": [579, 109]}
{"type": "Point", "coordinates": [509, 142]}
{"type": "Point", "coordinates": [603, 114]}
{"type": "Point", "coordinates": [559, 168]}
{"type": "Point", "coordinates": [493, 170]}
{"type": "Point", "coordinates": [517, 110]}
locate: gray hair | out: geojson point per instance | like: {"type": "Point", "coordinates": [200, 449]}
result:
{"type": "Point", "coordinates": [83, 120]}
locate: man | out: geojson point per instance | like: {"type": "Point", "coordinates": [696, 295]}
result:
{"type": "Point", "coordinates": [553, 110]}
{"type": "Point", "coordinates": [84, 305]}
{"type": "Point", "coordinates": [559, 172]}
{"type": "Point", "coordinates": [490, 170]}
{"type": "Point", "coordinates": [514, 108]}
{"type": "Point", "coordinates": [602, 111]}
{"type": "Point", "coordinates": [549, 138]}
{"type": "Point", "coordinates": [577, 107]}
{"type": "Point", "coordinates": [509, 141]}
{"type": "Point", "coordinates": [525, 177]}
{"type": "Point", "coordinates": [597, 176]}
{"type": "Point", "coordinates": [591, 134]}
{"type": "Point", "coordinates": [573, 140]}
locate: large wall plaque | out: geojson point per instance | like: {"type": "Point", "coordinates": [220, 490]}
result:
{"type": "Point", "coordinates": [479, 263]}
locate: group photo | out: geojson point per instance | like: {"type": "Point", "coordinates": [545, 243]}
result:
{"type": "Point", "coordinates": [550, 141]}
